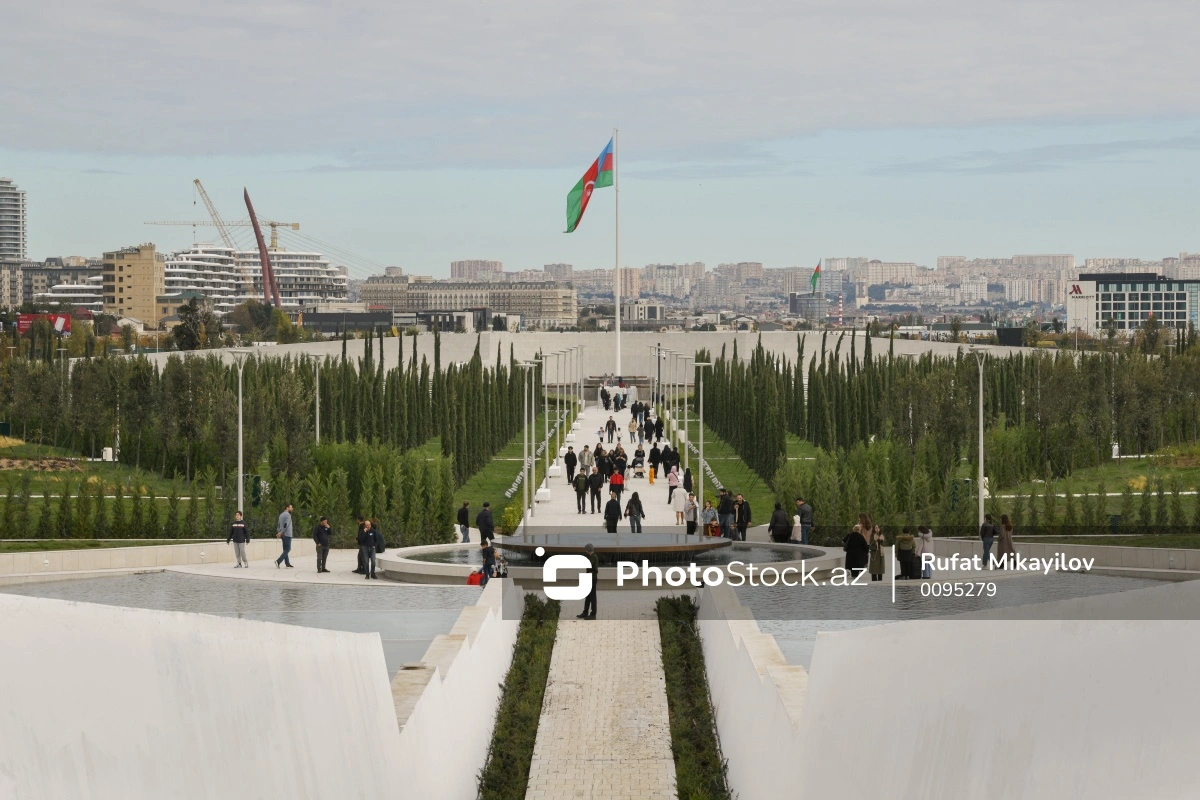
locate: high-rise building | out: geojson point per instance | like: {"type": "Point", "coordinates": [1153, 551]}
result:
{"type": "Point", "coordinates": [476, 270]}
{"type": "Point", "coordinates": [12, 221]}
{"type": "Point", "coordinates": [559, 272]}
{"type": "Point", "coordinates": [133, 279]}
{"type": "Point", "coordinates": [630, 283]}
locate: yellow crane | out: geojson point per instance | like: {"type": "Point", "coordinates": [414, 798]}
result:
{"type": "Point", "coordinates": [221, 225]}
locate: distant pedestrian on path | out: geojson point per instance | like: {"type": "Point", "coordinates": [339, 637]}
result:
{"type": "Point", "coordinates": [612, 512]}
{"type": "Point", "coordinates": [595, 484]}
{"type": "Point", "coordinates": [804, 515]}
{"type": "Point", "coordinates": [658, 428]}
{"type": "Point", "coordinates": [1005, 550]}
{"type": "Point", "coordinates": [570, 461]}
{"type": "Point", "coordinates": [725, 513]}
{"type": "Point", "coordinates": [691, 512]}
{"type": "Point", "coordinates": [857, 551]}
{"type": "Point", "coordinates": [635, 513]}
{"type": "Point", "coordinates": [581, 489]}
{"type": "Point", "coordinates": [239, 536]}
{"type": "Point", "coordinates": [611, 428]}
{"type": "Point", "coordinates": [741, 517]}
{"type": "Point", "coordinates": [708, 519]}
{"type": "Point", "coordinates": [672, 484]}
{"type": "Point", "coordinates": [655, 459]}
{"type": "Point", "coordinates": [464, 522]}
{"type": "Point", "coordinates": [875, 564]}
{"type": "Point", "coordinates": [483, 521]}
{"type": "Point", "coordinates": [617, 484]}
{"type": "Point", "coordinates": [987, 535]}
{"type": "Point", "coordinates": [925, 534]}
{"type": "Point", "coordinates": [489, 561]}
{"type": "Point", "coordinates": [368, 543]}
{"type": "Point", "coordinates": [589, 602]}
{"type": "Point", "coordinates": [586, 461]}
{"type": "Point", "coordinates": [687, 480]}
{"type": "Point", "coordinates": [283, 532]}
{"type": "Point", "coordinates": [779, 529]}
{"type": "Point", "coordinates": [321, 535]}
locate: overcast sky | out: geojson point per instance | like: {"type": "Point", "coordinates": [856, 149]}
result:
{"type": "Point", "coordinates": [783, 132]}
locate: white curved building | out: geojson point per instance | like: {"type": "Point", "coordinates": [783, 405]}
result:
{"type": "Point", "coordinates": [89, 295]}
{"type": "Point", "coordinates": [303, 278]}
{"type": "Point", "coordinates": [212, 270]}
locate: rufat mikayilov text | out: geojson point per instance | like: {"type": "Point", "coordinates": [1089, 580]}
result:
{"type": "Point", "coordinates": [1019, 563]}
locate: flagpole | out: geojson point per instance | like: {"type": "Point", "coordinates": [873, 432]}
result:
{"type": "Point", "coordinates": [617, 245]}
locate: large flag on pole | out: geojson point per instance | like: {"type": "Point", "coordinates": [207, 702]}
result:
{"type": "Point", "coordinates": [816, 276]}
{"type": "Point", "coordinates": [598, 175]}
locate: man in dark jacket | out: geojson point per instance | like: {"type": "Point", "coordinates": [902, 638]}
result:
{"type": "Point", "coordinates": [239, 535]}
{"type": "Point", "coordinates": [612, 512]}
{"type": "Point", "coordinates": [655, 458]}
{"type": "Point", "coordinates": [780, 527]}
{"type": "Point", "coordinates": [570, 461]}
{"type": "Point", "coordinates": [589, 602]}
{"type": "Point", "coordinates": [321, 535]}
{"type": "Point", "coordinates": [805, 513]}
{"type": "Point", "coordinates": [741, 517]}
{"type": "Point", "coordinates": [610, 428]}
{"type": "Point", "coordinates": [581, 490]}
{"type": "Point", "coordinates": [483, 521]}
{"type": "Point", "coordinates": [725, 513]}
{"type": "Point", "coordinates": [658, 429]}
{"type": "Point", "coordinates": [595, 484]}
{"type": "Point", "coordinates": [464, 521]}
{"type": "Point", "coordinates": [987, 534]}
{"type": "Point", "coordinates": [368, 543]}
{"type": "Point", "coordinates": [362, 565]}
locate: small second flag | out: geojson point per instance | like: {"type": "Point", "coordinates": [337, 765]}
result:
{"type": "Point", "coordinates": [598, 175]}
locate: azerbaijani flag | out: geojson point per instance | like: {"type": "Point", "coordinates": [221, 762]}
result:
{"type": "Point", "coordinates": [816, 276]}
{"type": "Point", "coordinates": [598, 175]}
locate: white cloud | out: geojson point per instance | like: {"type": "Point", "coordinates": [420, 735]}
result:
{"type": "Point", "coordinates": [539, 82]}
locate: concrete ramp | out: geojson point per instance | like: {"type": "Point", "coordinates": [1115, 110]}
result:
{"type": "Point", "coordinates": [107, 702]}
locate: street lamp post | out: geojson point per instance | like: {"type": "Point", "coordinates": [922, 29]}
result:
{"type": "Point", "coordinates": [317, 392]}
{"type": "Point", "coordinates": [240, 357]}
{"type": "Point", "coordinates": [686, 460]}
{"type": "Point", "coordinates": [979, 356]}
{"type": "Point", "coordinates": [700, 366]}
{"type": "Point", "coordinates": [525, 436]}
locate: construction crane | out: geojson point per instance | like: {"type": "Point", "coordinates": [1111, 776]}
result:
{"type": "Point", "coordinates": [222, 226]}
{"type": "Point", "coordinates": [212, 212]}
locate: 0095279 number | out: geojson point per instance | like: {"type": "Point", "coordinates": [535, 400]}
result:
{"type": "Point", "coordinates": [948, 589]}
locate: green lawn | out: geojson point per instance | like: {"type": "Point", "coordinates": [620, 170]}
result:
{"type": "Point", "coordinates": [86, 544]}
{"type": "Point", "coordinates": [490, 483]}
{"type": "Point", "coordinates": [732, 472]}
{"type": "Point", "coordinates": [1178, 541]}
{"type": "Point", "coordinates": [110, 473]}
{"type": "Point", "coordinates": [1116, 474]}
{"type": "Point", "coordinates": [798, 448]}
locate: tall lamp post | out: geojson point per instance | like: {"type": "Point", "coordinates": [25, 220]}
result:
{"type": "Point", "coordinates": [979, 356]}
{"type": "Point", "coordinates": [686, 432]}
{"type": "Point", "coordinates": [240, 357]}
{"type": "Point", "coordinates": [525, 436]}
{"type": "Point", "coordinates": [701, 366]}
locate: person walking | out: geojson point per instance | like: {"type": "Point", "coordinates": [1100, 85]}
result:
{"type": "Point", "coordinates": [925, 533]}
{"type": "Point", "coordinates": [610, 428]}
{"type": "Point", "coordinates": [635, 513]}
{"type": "Point", "coordinates": [485, 523]}
{"type": "Point", "coordinates": [321, 536]}
{"type": "Point", "coordinates": [489, 561]}
{"type": "Point", "coordinates": [658, 428]}
{"type": "Point", "coordinates": [1006, 551]}
{"type": "Point", "coordinates": [687, 480]}
{"type": "Point", "coordinates": [987, 535]}
{"type": "Point", "coordinates": [708, 520]}
{"type": "Point", "coordinates": [741, 517]}
{"type": "Point", "coordinates": [464, 522]}
{"type": "Point", "coordinates": [633, 429]}
{"type": "Point", "coordinates": [725, 513]}
{"type": "Point", "coordinates": [906, 554]}
{"type": "Point", "coordinates": [595, 484]}
{"type": "Point", "coordinates": [586, 461]}
{"type": "Point", "coordinates": [570, 461]}
{"type": "Point", "coordinates": [876, 562]}
{"type": "Point", "coordinates": [779, 528]}
{"type": "Point", "coordinates": [672, 484]}
{"type": "Point", "coordinates": [368, 543]}
{"type": "Point", "coordinates": [361, 569]}
{"type": "Point", "coordinates": [691, 513]}
{"type": "Point", "coordinates": [680, 503]}
{"type": "Point", "coordinates": [655, 458]}
{"type": "Point", "coordinates": [857, 551]}
{"type": "Point", "coordinates": [589, 602]}
{"type": "Point", "coordinates": [239, 535]}
{"type": "Point", "coordinates": [804, 513]}
{"type": "Point", "coordinates": [581, 488]}
{"type": "Point", "coordinates": [283, 532]}
{"type": "Point", "coordinates": [612, 512]}
{"type": "Point", "coordinates": [617, 483]}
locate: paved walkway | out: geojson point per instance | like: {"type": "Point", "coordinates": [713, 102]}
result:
{"type": "Point", "coordinates": [341, 564]}
{"type": "Point", "coordinates": [604, 730]}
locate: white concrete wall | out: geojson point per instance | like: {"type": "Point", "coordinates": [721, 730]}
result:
{"type": "Point", "coordinates": [445, 738]}
{"type": "Point", "coordinates": [599, 354]}
{"type": "Point", "coordinates": [104, 702]}
{"type": "Point", "coordinates": [962, 709]}
{"type": "Point", "coordinates": [757, 697]}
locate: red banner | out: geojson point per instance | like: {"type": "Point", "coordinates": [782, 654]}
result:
{"type": "Point", "coordinates": [59, 323]}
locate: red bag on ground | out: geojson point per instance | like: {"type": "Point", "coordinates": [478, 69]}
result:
{"type": "Point", "coordinates": [474, 578]}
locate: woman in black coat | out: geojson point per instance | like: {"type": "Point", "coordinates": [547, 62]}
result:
{"type": "Point", "coordinates": [687, 481]}
{"type": "Point", "coordinates": [858, 551]}
{"type": "Point", "coordinates": [780, 527]}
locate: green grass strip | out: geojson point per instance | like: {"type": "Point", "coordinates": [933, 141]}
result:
{"type": "Point", "coordinates": [505, 774]}
{"type": "Point", "coordinates": [699, 767]}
